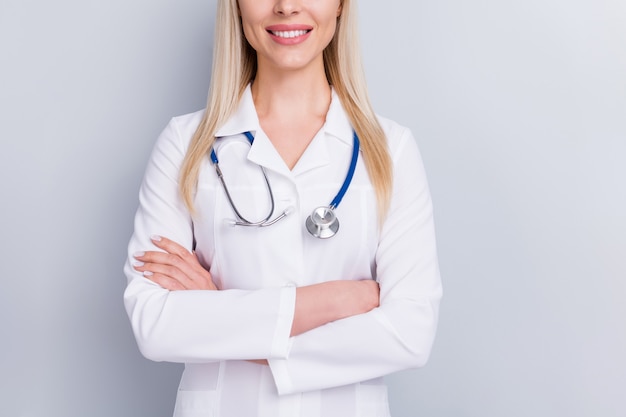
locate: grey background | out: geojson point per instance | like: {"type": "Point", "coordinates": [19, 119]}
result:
{"type": "Point", "coordinates": [520, 112]}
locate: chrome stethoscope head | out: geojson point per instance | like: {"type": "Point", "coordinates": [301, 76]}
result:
{"type": "Point", "coordinates": [322, 223]}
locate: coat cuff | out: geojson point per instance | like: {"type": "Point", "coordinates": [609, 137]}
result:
{"type": "Point", "coordinates": [280, 372]}
{"type": "Point", "coordinates": [286, 309]}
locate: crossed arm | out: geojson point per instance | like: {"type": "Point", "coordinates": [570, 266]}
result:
{"type": "Point", "coordinates": [177, 269]}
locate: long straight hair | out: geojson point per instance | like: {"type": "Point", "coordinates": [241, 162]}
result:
{"type": "Point", "coordinates": [234, 67]}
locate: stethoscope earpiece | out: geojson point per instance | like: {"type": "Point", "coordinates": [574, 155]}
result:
{"type": "Point", "coordinates": [322, 223]}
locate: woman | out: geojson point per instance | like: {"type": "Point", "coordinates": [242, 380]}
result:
{"type": "Point", "coordinates": [274, 319]}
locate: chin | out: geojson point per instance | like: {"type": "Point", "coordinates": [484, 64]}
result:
{"type": "Point", "coordinates": [293, 64]}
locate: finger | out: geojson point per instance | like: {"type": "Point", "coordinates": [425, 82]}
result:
{"type": "Point", "coordinates": [159, 258]}
{"type": "Point", "coordinates": [259, 361]}
{"type": "Point", "coordinates": [177, 256]}
{"type": "Point", "coordinates": [166, 259]}
{"type": "Point", "coordinates": [200, 272]}
{"type": "Point", "coordinates": [183, 259]}
{"type": "Point", "coordinates": [191, 266]}
{"type": "Point", "coordinates": [164, 281]}
{"type": "Point", "coordinates": [173, 265]}
{"type": "Point", "coordinates": [188, 272]}
{"type": "Point", "coordinates": [164, 272]}
{"type": "Point", "coordinates": [169, 246]}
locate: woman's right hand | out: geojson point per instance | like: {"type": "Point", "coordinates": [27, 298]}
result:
{"type": "Point", "coordinates": [174, 269]}
{"type": "Point", "coordinates": [323, 303]}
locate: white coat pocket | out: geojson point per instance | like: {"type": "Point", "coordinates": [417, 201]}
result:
{"type": "Point", "coordinates": [196, 404]}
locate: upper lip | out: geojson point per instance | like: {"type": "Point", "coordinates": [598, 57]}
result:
{"type": "Point", "coordinates": [287, 28]}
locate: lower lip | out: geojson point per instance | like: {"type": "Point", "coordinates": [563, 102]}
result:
{"type": "Point", "coordinates": [289, 41]}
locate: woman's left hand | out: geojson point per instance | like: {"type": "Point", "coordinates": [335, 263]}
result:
{"type": "Point", "coordinates": [175, 269]}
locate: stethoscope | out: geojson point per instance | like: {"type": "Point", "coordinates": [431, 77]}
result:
{"type": "Point", "coordinates": [322, 223]}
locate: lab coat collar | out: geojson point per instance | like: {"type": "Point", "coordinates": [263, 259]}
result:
{"type": "Point", "coordinates": [337, 122]}
{"type": "Point", "coordinates": [244, 119]}
{"type": "Point", "coordinates": [262, 152]}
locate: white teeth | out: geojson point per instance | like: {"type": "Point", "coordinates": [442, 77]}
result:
{"type": "Point", "coordinates": [289, 34]}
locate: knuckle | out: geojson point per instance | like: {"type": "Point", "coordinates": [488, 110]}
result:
{"type": "Point", "coordinates": [167, 282]}
{"type": "Point", "coordinates": [160, 279]}
{"type": "Point", "coordinates": [171, 271]}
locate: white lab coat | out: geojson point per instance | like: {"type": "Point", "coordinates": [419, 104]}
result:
{"type": "Point", "coordinates": [331, 371]}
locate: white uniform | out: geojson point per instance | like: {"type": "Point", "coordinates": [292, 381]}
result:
{"type": "Point", "coordinates": [334, 370]}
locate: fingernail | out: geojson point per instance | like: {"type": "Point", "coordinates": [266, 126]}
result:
{"type": "Point", "coordinates": [155, 238]}
{"type": "Point", "coordinates": [147, 274]}
{"type": "Point", "coordinates": [139, 254]}
{"type": "Point", "coordinates": [138, 263]}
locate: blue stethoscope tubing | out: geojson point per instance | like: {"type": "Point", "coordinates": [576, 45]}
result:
{"type": "Point", "coordinates": [322, 223]}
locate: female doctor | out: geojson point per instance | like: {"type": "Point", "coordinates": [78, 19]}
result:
{"type": "Point", "coordinates": [284, 247]}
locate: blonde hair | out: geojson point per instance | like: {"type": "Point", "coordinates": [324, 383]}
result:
{"type": "Point", "coordinates": [234, 67]}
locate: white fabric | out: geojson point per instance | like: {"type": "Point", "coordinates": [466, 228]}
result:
{"type": "Point", "coordinates": [330, 371]}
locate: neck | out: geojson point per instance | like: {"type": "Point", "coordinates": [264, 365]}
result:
{"type": "Point", "coordinates": [291, 95]}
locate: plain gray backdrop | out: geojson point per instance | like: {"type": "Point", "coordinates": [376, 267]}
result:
{"type": "Point", "coordinates": [519, 108]}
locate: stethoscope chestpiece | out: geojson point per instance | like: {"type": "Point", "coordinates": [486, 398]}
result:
{"type": "Point", "coordinates": [322, 223]}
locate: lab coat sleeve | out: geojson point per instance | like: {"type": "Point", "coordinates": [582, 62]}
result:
{"type": "Point", "coordinates": [194, 326]}
{"type": "Point", "coordinates": [399, 334]}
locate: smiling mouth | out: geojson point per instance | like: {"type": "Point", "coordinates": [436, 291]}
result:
{"type": "Point", "coordinates": [289, 34]}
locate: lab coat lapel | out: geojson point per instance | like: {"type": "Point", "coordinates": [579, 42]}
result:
{"type": "Point", "coordinates": [264, 154]}
{"type": "Point", "coordinates": [336, 129]}
{"type": "Point", "coordinates": [315, 156]}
